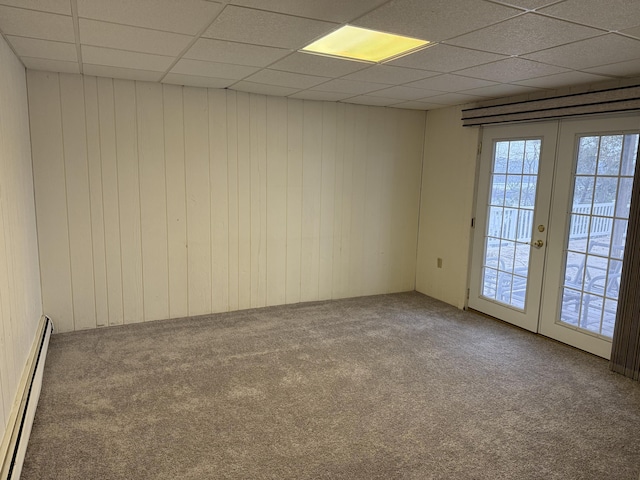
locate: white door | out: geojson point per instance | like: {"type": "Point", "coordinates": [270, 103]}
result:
{"type": "Point", "coordinates": [551, 221]}
{"type": "Point", "coordinates": [587, 233]}
{"type": "Point", "coordinates": [512, 208]}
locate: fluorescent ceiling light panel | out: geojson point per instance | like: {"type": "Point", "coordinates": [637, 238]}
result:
{"type": "Point", "coordinates": [362, 44]}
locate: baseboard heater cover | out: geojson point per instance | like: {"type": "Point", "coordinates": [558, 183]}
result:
{"type": "Point", "coordinates": [31, 384]}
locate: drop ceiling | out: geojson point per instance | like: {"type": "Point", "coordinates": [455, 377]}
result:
{"type": "Point", "coordinates": [483, 49]}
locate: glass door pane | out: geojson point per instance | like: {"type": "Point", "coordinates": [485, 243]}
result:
{"type": "Point", "coordinates": [515, 176]}
{"type": "Point", "coordinates": [513, 185]}
{"type": "Point", "coordinates": [597, 231]}
{"type": "Point", "coordinates": [586, 243]}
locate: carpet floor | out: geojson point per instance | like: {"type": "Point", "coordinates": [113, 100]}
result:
{"type": "Point", "coordinates": [387, 387]}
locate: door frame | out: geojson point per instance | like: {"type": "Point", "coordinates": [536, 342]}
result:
{"type": "Point", "coordinates": [559, 225]}
{"type": "Point", "coordinates": [527, 318]}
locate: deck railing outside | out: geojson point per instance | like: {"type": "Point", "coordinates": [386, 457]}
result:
{"type": "Point", "coordinates": [517, 224]}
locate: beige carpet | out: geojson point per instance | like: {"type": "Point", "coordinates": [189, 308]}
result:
{"type": "Point", "coordinates": [385, 387]}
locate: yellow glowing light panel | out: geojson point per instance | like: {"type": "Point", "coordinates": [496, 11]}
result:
{"type": "Point", "coordinates": [363, 44]}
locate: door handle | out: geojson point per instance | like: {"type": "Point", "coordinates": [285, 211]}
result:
{"type": "Point", "coordinates": [538, 243]}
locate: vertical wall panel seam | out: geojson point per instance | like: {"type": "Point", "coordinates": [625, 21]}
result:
{"type": "Point", "coordinates": [166, 198]}
{"type": "Point", "coordinates": [266, 204]}
{"type": "Point", "coordinates": [352, 152]}
{"type": "Point", "coordinates": [362, 286]}
{"type": "Point", "coordinates": [251, 193]}
{"type": "Point", "coordinates": [33, 180]}
{"type": "Point", "coordinates": [115, 136]}
{"type": "Point", "coordinates": [210, 161]}
{"type": "Point", "coordinates": [286, 199]}
{"type": "Point", "coordinates": [226, 102]}
{"type": "Point", "coordinates": [137, 132]}
{"type": "Point", "coordinates": [210, 206]}
{"type": "Point", "coordinates": [86, 146]}
{"type": "Point", "coordinates": [66, 201]}
{"type": "Point", "coordinates": [238, 193]}
{"type": "Point", "coordinates": [417, 242]}
{"type": "Point", "coordinates": [263, 219]}
{"type": "Point", "coordinates": [320, 198]}
{"type": "Point", "coordinates": [250, 203]}
{"type": "Point", "coordinates": [337, 198]}
{"type": "Point", "coordinates": [301, 200]}
{"type": "Point", "coordinates": [186, 198]}
{"type": "Point", "coordinates": [106, 268]}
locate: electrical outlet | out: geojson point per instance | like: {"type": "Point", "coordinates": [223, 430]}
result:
{"type": "Point", "coordinates": [439, 263]}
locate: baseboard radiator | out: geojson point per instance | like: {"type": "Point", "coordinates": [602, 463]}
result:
{"type": "Point", "coordinates": [18, 430]}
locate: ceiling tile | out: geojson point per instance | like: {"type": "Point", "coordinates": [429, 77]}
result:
{"type": "Point", "coordinates": [414, 105]}
{"type": "Point", "coordinates": [563, 80]}
{"type": "Point", "coordinates": [435, 20]}
{"type": "Point", "coordinates": [185, 16]}
{"type": "Point", "coordinates": [51, 6]}
{"type": "Point", "coordinates": [446, 58]}
{"type": "Point", "coordinates": [212, 69]}
{"type": "Point", "coordinates": [32, 47]}
{"type": "Point", "coordinates": [339, 11]}
{"type": "Point", "coordinates": [521, 35]}
{"type": "Point", "coordinates": [51, 65]}
{"type": "Point", "coordinates": [480, 54]}
{"type": "Point", "coordinates": [495, 91]}
{"type": "Point", "coordinates": [137, 39]}
{"type": "Point", "coordinates": [263, 89]}
{"type": "Point", "coordinates": [321, 96]}
{"type": "Point", "coordinates": [389, 74]}
{"type": "Point", "coordinates": [223, 51]}
{"type": "Point", "coordinates": [610, 14]}
{"type": "Point", "coordinates": [453, 99]}
{"type": "Point", "coordinates": [196, 81]}
{"type": "Point", "coordinates": [375, 101]}
{"type": "Point", "coordinates": [404, 93]}
{"type": "Point", "coordinates": [317, 65]}
{"type": "Point", "coordinates": [266, 28]}
{"type": "Point", "coordinates": [610, 48]}
{"type": "Point", "coordinates": [622, 69]}
{"type": "Point", "coordinates": [29, 23]}
{"type": "Point", "coordinates": [511, 70]}
{"type": "Point", "coordinates": [286, 79]}
{"type": "Point", "coordinates": [349, 86]}
{"type": "Point", "coordinates": [121, 58]}
{"type": "Point", "coordinates": [124, 73]}
{"type": "Point", "coordinates": [450, 83]}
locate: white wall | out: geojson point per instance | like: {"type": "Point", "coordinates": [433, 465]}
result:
{"type": "Point", "coordinates": [20, 298]}
{"type": "Point", "coordinates": [158, 201]}
{"type": "Point", "coordinates": [446, 206]}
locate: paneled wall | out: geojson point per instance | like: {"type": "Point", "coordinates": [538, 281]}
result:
{"type": "Point", "coordinates": [158, 201]}
{"type": "Point", "coordinates": [446, 206]}
{"type": "Point", "coordinates": [20, 298]}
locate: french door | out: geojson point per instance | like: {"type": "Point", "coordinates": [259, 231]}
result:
{"type": "Point", "coordinates": [551, 218]}
{"type": "Point", "coordinates": [514, 194]}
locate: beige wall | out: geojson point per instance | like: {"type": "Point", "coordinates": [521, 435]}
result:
{"type": "Point", "coordinates": [446, 206]}
{"type": "Point", "coordinates": [160, 201]}
{"type": "Point", "coordinates": [20, 299]}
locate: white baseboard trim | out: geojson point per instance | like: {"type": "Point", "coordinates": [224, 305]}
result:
{"type": "Point", "coordinates": [14, 445]}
